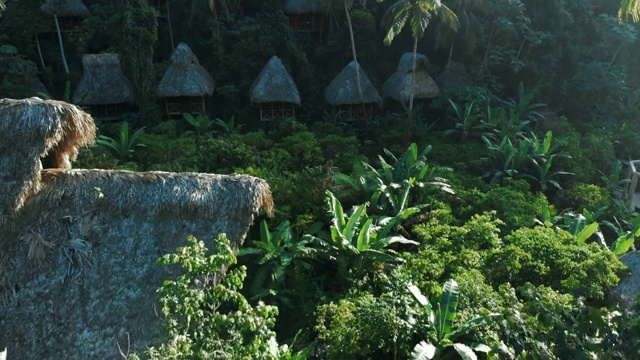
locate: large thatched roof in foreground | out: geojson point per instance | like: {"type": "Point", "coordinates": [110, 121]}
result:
{"type": "Point", "coordinates": [398, 86]}
{"type": "Point", "coordinates": [31, 129]}
{"type": "Point", "coordinates": [343, 89]}
{"type": "Point", "coordinates": [302, 6]}
{"type": "Point", "coordinates": [103, 82]}
{"type": "Point", "coordinates": [185, 76]}
{"type": "Point", "coordinates": [274, 84]}
{"type": "Point", "coordinates": [65, 8]}
{"type": "Point", "coordinates": [111, 291]}
{"type": "Point", "coordinates": [85, 242]}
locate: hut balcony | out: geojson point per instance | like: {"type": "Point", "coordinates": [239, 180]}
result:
{"type": "Point", "coordinates": [276, 111]}
{"type": "Point", "coordinates": [307, 22]}
{"type": "Point", "coordinates": [185, 104]}
{"type": "Point", "coordinates": [354, 112]}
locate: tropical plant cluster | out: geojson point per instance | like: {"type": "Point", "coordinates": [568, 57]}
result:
{"type": "Point", "coordinates": [485, 223]}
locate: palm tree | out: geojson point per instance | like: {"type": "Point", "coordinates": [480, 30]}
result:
{"type": "Point", "coordinates": [418, 13]}
{"type": "Point", "coordinates": [630, 8]}
{"type": "Point", "coordinates": [470, 27]}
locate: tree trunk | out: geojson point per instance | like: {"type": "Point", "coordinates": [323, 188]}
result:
{"type": "Point", "coordinates": [407, 135]}
{"type": "Point", "coordinates": [64, 58]}
{"type": "Point", "coordinates": [355, 59]}
{"type": "Point", "coordinates": [169, 22]}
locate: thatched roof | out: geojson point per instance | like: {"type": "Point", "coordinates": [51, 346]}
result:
{"type": "Point", "coordinates": [31, 129]}
{"type": "Point", "coordinates": [302, 6]}
{"type": "Point", "coordinates": [140, 217]}
{"type": "Point", "coordinates": [87, 240]}
{"type": "Point", "coordinates": [343, 89]}
{"type": "Point", "coordinates": [65, 8]}
{"type": "Point", "coordinates": [185, 76]}
{"type": "Point", "coordinates": [103, 81]}
{"type": "Point", "coordinates": [31, 86]}
{"type": "Point", "coordinates": [454, 74]}
{"type": "Point", "coordinates": [398, 86]}
{"type": "Point", "coordinates": [274, 84]}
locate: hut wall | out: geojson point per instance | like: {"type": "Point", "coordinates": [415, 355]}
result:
{"type": "Point", "coordinates": [307, 22]}
{"type": "Point", "coordinates": [185, 104]}
{"type": "Point", "coordinates": [354, 112]}
{"type": "Point", "coordinates": [277, 110]}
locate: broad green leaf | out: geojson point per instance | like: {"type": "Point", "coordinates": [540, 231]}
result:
{"type": "Point", "coordinates": [422, 300]}
{"type": "Point", "coordinates": [465, 352]}
{"type": "Point", "coordinates": [265, 234]}
{"type": "Point", "coordinates": [623, 244]}
{"type": "Point", "coordinates": [423, 351]}
{"type": "Point", "coordinates": [447, 308]}
{"type": "Point", "coordinates": [586, 233]}
{"type": "Point", "coordinates": [359, 212]}
{"type": "Point", "coordinates": [364, 236]}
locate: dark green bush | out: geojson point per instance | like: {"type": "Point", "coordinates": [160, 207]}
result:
{"type": "Point", "coordinates": [583, 196]}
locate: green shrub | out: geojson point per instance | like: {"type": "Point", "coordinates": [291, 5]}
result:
{"type": "Point", "coordinates": [551, 257]}
{"type": "Point", "coordinates": [224, 155]}
{"type": "Point", "coordinates": [163, 152]}
{"type": "Point", "coordinates": [583, 196]}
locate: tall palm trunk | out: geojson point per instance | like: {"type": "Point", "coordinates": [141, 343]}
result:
{"type": "Point", "coordinates": [355, 59]}
{"type": "Point", "coordinates": [64, 58]}
{"type": "Point", "coordinates": [407, 135]}
{"type": "Point", "coordinates": [168, 5]}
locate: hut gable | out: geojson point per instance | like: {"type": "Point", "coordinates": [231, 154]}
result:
{"type": "Point", "coordinates": [343, 90]}
{"type": "Point", "coordinates": [85, 242]}
{"type": "Point", "coordinates": [102, 82]}
{"type": "Point", "coordinates": [398, 86]}
{"type": "Point", "coordinates": [185, 77]}
{"type": "Point", "coordinates": [274, 84]}
{"type": "Point", "coordinates": [66, 8]}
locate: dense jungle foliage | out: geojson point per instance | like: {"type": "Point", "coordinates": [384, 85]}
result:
{"type": "Point", "coordinates": [484, 223]}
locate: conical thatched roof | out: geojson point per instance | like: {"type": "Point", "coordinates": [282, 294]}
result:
{"type": "Point", "coordinates": [343, 90]}
{"type": "Point", "coordinates": [454, 74]}
{"type": "Point", "coordinates": [302, 6]}
{"type": "Point", "coordinates": [30, 129]}
{"type": "Point", "coordinates": [398, 86]}
{"type": "Point", "coordinates": [185, 76]}
{"type": "Point", "coordinates": [87, 240]}
{"type": "Point", "coordinates": [103, 81]}
{"type": "Point", "coordinates": [274, 84]}
{"type": "Point", "coordinates": [65, 8]}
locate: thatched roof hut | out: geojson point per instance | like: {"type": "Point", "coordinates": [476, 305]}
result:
{"type": "Point", "coordinates": [185, 76]}
{"type": "Point", "coordinates": [302, 6]}
{"type": "Point", "coordinates": [454, 74]}
{"type": "Point", "coordinates": [274, 84]}
{"type": "Point", "coordinates": [87, 240]}
{"type": "Point", "coordinates": [185, 83]}
{"type": "Point", "coordinates": [398, 86]}
{"type": "Point", "coordinates": [102, 82]}
{"type": "Point", "coordinates": [343, 89]}
{"type": "Point", "coordinates": [66, 8]}
{"type": "Point", "coordinates": [32, 131]}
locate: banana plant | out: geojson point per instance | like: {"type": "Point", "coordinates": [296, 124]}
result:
{"type": "Point", "coordinates": [442, 333]}
{"type": "Point", "coordinates": [626, 238]}
{"type": "Point", "coordinates": [124, 146]}
{"type": "Point", "coordinates": [277, 251]}
{"type": "Point", "coordinates": [201, 124]}
{"type": "Point", "coordinates": [466, 120]}
{"type": "Point", "coordinates": [542, 155]}
{"type": "Point", "coordinates": [357, 240]}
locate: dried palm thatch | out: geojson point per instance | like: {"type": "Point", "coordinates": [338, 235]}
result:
{"type": "Point", "coordinates": [398, 86]}
{"type": "Point", "coordinates": [343, 89]}
{"type": "Point", "coordinates": [109, 244]}
{"type": "Point", "coordinates": [302, 6]}
{"type": "Point", "coordinates": [185, 76]}
{"type": "Point", "coordinates": [103, 82]}
{"type": "Point", "coordinates": [454, 74]}
{"type": "Point", "coordinates": [32, 130]}
{"type": "Point", "coordinates": [274, 84]}
{"type": "Point", "coordinates": [64, 8]}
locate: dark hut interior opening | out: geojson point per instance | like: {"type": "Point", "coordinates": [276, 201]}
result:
{"type": "Point", "coordinates": [110, 112]}
{"type": "Point", "coordinates": [54, 158]}
{"type": "Point", "coordinates": [67, 23]}
{"type": "Point", "coordinates": [185, 104]}
{"type": "Point", "coordinates": [307, 22]}
{"type": "Point", "coordinates": [277, 110]}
